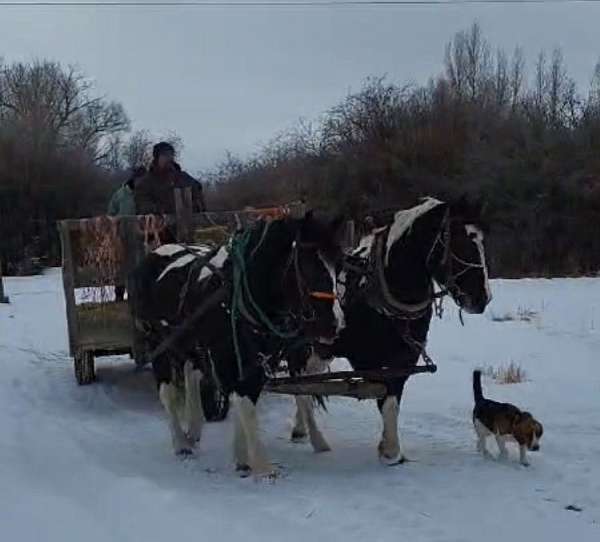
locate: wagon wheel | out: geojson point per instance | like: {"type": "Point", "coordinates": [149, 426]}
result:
{"type": "Point", "coordinates": [214, 402]}
{"type": "Point", "coordinates": [84, 367]}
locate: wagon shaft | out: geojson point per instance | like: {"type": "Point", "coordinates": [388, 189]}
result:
{"type": "Point", "coordinates": [357, 384]}
{"type": "Point", "coordinates": [358, 389]}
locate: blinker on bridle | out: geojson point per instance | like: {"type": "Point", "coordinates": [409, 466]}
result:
{"type": "Point", "coordinates": [314, 294]}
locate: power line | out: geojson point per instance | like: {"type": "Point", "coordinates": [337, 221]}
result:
{"type": "Point", "coordinates": [275, 4]}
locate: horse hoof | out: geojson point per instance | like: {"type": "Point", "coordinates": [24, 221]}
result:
{"type": "Point", "coordinates": [392, 459]}
{"type": "Point", "coordinates": [243, 470]}
{"type": "Point", "coordinates": [193, 439]}
{"type": "Point", "coordinates": [321, 448]}
{"type": "Point", "coordinates": [184, 452]}
{"type": "Point", "coordinates": [299, 436]}
{"type": "Point", "coordinates": [269, 476]}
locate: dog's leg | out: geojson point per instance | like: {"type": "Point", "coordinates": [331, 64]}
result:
{"type": "Point", "coordinates": [169, 397]}
{"type": "Point", "coordinates": [523, 455]}
{"type": "Point", "coordinates": [482, 433]}
{"type": "Point", "coordinates": [306, 408]}
{"type": "Point", "coordinates": [501, 441]}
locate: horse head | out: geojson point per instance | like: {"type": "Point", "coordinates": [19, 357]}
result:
{"type": "Point", "coordinates": [457, 258]}
{"type": "Point", "coordinates": [294, 264]}
{"type": "Point", "coordinates": [439, 241]}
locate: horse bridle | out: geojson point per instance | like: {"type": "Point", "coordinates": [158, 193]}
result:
{"type": "Point", "coordinates": [305, 294]}
{"type": "Point", "coordinates": [449, 257]}
{"type": "Point", "coordinates": [414, 311]}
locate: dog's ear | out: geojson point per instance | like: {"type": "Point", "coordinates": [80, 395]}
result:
{"type": "Point", "coordinates": [539, 429]}
{"type": "Point", "coordinates": [518, 418]}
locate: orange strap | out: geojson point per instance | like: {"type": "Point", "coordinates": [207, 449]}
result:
{"type": "Point", "coordinates": [324, 296]}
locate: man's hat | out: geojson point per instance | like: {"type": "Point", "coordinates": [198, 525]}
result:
{"type": "Point", "coordinates": [162, 148]}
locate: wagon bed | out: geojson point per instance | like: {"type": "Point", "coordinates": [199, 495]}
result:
{"type": "Point", "coordinates": [98, 325]}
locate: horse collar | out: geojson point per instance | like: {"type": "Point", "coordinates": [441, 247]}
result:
{"type": "Point", "coordinates": [381, 297]}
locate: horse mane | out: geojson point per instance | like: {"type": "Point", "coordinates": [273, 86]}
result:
{"type": "Point", "coordinates": [404, 220]}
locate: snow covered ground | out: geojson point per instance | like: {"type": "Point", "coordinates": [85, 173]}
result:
{"type": "Point", "coordinates": [95, 463]}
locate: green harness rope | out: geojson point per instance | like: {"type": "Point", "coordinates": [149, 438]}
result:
{"type": "Point", "coordinates": [241, 292]}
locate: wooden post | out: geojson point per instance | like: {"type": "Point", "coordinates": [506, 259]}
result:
{"type": "Point", "coordinates": [3, 298]}
{"type": "Point", "coordinates": [69, 285]}
{"type": "Point", "coordinates": [183, 212]}
{"type": "Point", "coordinates": [134, 253]}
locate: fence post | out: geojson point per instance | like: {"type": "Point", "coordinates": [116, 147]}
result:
{"type": "Point", "coordinates": [183, 213]}
{"type": "Point", "coordinates": [3, 298]}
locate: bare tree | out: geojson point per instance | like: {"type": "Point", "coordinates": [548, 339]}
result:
{"type": "Point", "coordinates": [456, 63]}
{"type": "Point", "coordinates": [557, 81]}
{"type": "Point", "coordinates": [479, 61]}
{"type": "Point", "coordinates": [595, 85]}
{"type": "Point", "coordinates": [137, 150]}
{"type": "Point", "coordinates": [540, 88]}
{"type": "Point", "coordinates": [54, 106]}
{"type": "Point", "coordinates": [502, 80]}
{"type": "Point", "coordinates": [468, 64]}
{"type": "Point", "coordinates": [370, 115]}
{"type": "Point", "coordinates": [517, 76]}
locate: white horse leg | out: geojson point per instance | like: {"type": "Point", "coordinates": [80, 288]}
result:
{"type": "Point", "coordinates": [240, 444]}
{"type": "Point", "coordinates": [306, 408]}
{"type": "Point", "coordinates": [170, 398]}
{"type": "Point", "coordinates": [257, 456]}
{"type": "Point", "coordinates": [523, 456]}
{"type": "Point", "coordinates": [299, 431]}
{"type": "Point", "coordinates": [390, 451]}
{"type": "Point", "coordinates": [194, 414]}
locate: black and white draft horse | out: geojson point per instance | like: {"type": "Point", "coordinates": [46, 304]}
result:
{"type": "Point", "coordinates": [387, 297]}
{"type": "Point", "coordinates": [273, 283]}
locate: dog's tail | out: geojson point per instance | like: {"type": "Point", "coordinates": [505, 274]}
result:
{"type": "Point", "coordinates": [477, 391]}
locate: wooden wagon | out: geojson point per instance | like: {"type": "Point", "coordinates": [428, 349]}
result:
{"type": "Point", "coordinates": [98, 253]}
{"type": "Point", "coordinates": [100, 325]}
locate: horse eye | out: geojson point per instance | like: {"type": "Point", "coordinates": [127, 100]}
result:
{"type": "Point", "coordinates": [472, 235]}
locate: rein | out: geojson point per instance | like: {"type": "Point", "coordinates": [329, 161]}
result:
{"type": "Point", "coordinates": [241, 293]}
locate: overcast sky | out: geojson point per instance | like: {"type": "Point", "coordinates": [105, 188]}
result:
{"type": "Point", "coordinates": [231, 78]}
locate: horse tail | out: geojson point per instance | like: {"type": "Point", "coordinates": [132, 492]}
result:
{"type": "Point", "coordinates": [319, 402]}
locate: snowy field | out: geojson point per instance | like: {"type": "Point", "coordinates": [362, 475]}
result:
{"type": "Point", "coordinates": [95, 463]}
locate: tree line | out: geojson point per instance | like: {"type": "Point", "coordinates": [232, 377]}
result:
{"type": "Point", "coordinates": [521, 139]}
{"type": "Point", "coordinates": [64, 148]}
{"type": "Point", "coordinates": [519, 136]}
